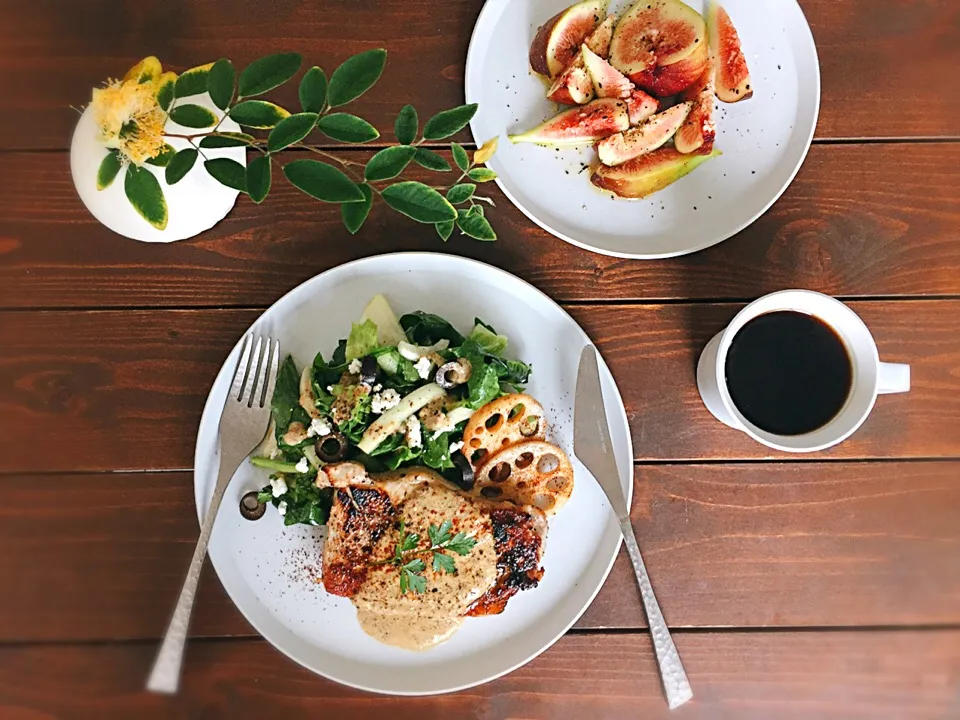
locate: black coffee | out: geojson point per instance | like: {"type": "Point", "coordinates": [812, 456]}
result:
{"type": "Point", "coordinates": [788, 373]}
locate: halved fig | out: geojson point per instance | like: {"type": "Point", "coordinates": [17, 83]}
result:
{"type": "Point", "coordinates": [559, 39]}
{"type": "Point", "coordinates": [664, 80]}
{"type": "Point", "coordinates": [655, 32]}
{"type": "Point", "coordinates": [733, 75]}
{"type": "Point", "coordinates": [649, 173]}
{"type": "Point", "coordinates": [580, 126]}
{"type": "Point", "coordinates": [698, 130]}
{"type": "Point", "coordinates": [599, 39]}
{"type": "Point", "coordinates": [607, 80]}
{"type": "Point", "coordinates": [573, 86]}
{"type": "Point", "coordinates": [645, 138]}
{"type": "Point", "coordinates": [640, 106]}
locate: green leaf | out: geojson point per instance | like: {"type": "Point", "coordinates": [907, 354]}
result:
{"type": "Point", "coordinates": [461, 544]}
{"type": "Point", "coordinates": [322, 181]}
{"type": "Point", "coordinates": [313, 90]}
{"type": "Point", "coordinates": [355, 76]}
{"type": "Point", "coordinates": [193, 81]}
{"type": "Point", "coordinates": [258, 114]}
{"type": "Point", "coordinates": [445, 229]}
{"type": "Point", "coordinates": [291, 130]}
{"type": "Point", "coordinates": [482, 175]}
{"type": "Point", "coordinates": [475, 210]}
{"type": "Point", "coordinates": [460, 156]}
{"type": "Point", "coordinates": [180, 165]}
{"type": "Point", "coordinates": [417, 201]}
{"type": "Point", "coordinates": [227, 172]}
{"type": "Point", "coordinates": [361, 342]}
{"type": "Point", "coordinates": [354, 214]}
{"type": "Point", "coordinates": [431, 161]}
{"type": "Point", "coordinates": [193, 116]}
{"type": "Point", "coordinates": [109, 167]}
{"type": "Point", "coordinates": [226, 139]}
{"type": "Point", "coordinates": [166, 91]}
{"type": "Point", "coordinates": [388, 163]}
{"type": "Point", "coordinates": [347, 128]}
{"type": "Point", "coordinates": [268, 72]}
{"type": "Point", "coordinates": [406, 125]}
{"type": "Point", "coordinates": [475, 225]}
{"type": "Point", "coordinates": [460, 193]}
{"type": "Point", "coordinates": [144, 193]}
{"type": "Point", "coordinates": [220, 83]}
{"type": "Point", "coordinates": [444, 563]}
{"type": "Point", "coordinates": [439, 535]}
{"type": "Point", "coordinates": [165, 156]}
{"type": "Point", "coordinates": [409, 541]}
{"type": "Point", "coordinates": [258, 178]}
{"type": "Point", "coordinates": [449, 122]}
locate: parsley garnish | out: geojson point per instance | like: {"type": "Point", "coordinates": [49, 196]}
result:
{"type": "Point", "coordinates": [441, 541]}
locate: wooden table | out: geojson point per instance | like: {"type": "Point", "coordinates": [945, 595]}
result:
{"type": "Point", "coordinates": [797, 587]}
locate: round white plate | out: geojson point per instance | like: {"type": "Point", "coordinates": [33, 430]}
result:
{"type": "Point", "coordinates": [764, 139]}
{"type": "Point", "coordinates": [269, 570]}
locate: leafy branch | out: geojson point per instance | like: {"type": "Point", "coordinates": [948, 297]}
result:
{"type": "Point", "coordinates": [441, 541]}
{"type": "Point", "coordinates": [330, 177]}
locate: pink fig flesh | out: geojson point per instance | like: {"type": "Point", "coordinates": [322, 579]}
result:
{"type": "Point", "coordinates": [649, 135]}
{"type": "Point", "coordinates": [580, 126]}
{"type": "Point", "coordinates": [649, 173]}
{"type": "Point", "coordinates": [640, 106]}
{"type": "Point", "coordinates": [607, 80]}
{"type": "Point", "coordinates": [655, 32]}
{"type": "Point", "coordinates": [559, 39]}
{"type": "Point", "coordinates": [698, 130]}
{"type": "Point", "coordinates": [733, 75]}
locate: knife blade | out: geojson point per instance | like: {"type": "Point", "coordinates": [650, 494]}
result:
{"type": "Point", "coordinates": [594, 448]}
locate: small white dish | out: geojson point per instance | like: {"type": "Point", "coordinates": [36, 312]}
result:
{"type": "Point", "coordinates": [269, 571]}
{"type": "Point", "coordinates": [764, 140]}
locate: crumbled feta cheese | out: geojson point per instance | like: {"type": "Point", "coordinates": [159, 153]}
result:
{"type": "Point", "coordinates": [279, 486]}
{"type": "Point", "coordinates": [454, 447]}
{"type": "Point", "coordinates": [414, 436]}
{"type": "Point", "coordinates": [378, 387]}
{"type": "Point", "coordinates": [329, 388]}
{"type": "Point", "coordinates": [303, 466]}
{"type": "Point", "coordinates": [318, 428]}
{"type": "Point", "coordinates": [383, 401]}
{"type": "Point", "coordinates": [354, 367]}
{"type": "Point", "coordinates": [423, 367]}
{"type": "Point", "coordinates": [282, 507]}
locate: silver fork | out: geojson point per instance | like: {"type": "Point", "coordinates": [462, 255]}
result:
{"type": "Point", "coordinates": [243, 424]}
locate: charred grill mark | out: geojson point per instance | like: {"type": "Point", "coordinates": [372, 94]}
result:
{"type": "Point", "coordinates": [361, 516]}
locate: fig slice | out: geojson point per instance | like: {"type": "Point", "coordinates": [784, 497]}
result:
{"type": "Point", "coordinates": [607, 80]}
{"type": "Point", "coordinates": [599, 40]}
{"type": "Point", "coordinates": [573, 86]}
{"type": "Point", "coordinates": [559, 39]}
{"type": "Point", "coordinates": [699, 129]}
{"type": "Point", "coordinates": [645, 138]}
{"type": "Point", "coordinates": [640, 106]}
{"type": "Point", "coordinates": [733, 75]}
{"type": "Point", "coordinates": [655, 32]}
{"type": "Point", "coordinates": [664, 80]}
{"type": "Point", "coordinates": [648, 173]}
{"type": "Point", "coordinates": [580, 126]}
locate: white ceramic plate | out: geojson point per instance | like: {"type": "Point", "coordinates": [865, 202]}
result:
{"type": "Point", "coordinates": [269, 570]}
{"type": "Point", "coordinates": [764, 139]}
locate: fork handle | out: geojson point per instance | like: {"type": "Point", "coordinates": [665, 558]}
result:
{"type": "Point", "coordinates": [675, 683]}
{"type": "Point", "coordinates": [165, 675]}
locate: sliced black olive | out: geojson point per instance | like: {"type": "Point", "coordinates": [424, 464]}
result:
{"type": "Point", "coordinates": [453, 373]}
{"type": "Point", "coordinates": [368, 370]}
{"type": "Point", "coordinates": [333, 447]}
{"type": "Point", "coordinates": [466, 478]}
{"type": "Point", "coordinates": [250, 506]}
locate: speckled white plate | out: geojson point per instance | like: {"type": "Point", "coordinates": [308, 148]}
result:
{"type": "Point", "coordinates": [764, 139]}
{"type": "Point", "coordinates": [269, 571]}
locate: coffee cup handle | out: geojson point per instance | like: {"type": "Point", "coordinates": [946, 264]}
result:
{"type": "Point", "coordinates": [893, 378]}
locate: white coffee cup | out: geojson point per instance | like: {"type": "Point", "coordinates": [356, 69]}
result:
{"type": "Point", "coordinates": [870, 376]}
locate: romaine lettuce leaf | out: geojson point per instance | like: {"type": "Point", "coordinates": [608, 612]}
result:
{"type": "Point", "coordinates": [362, 340]}
{"type": "Point", "coordinates": [488, 340]}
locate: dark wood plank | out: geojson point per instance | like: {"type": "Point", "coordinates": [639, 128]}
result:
{"type": "Point", "coordinates": [130, 385]}
{"type": "Point", "coordinates": [810, 676]}
{"type": "Point", "coordinates": [884, 64]}
{"type": "Point", "coordinates": [789, 545]}
{"type": "Point", "coordinates": [858, 220]}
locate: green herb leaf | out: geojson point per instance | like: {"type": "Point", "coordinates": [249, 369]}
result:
{"type": "Point", "coordinates": [426, 329]}
{"type": "Point", "coordinates": [164, 158]}
{"type": "Point", "coordinates": [388, 163]}
{"type": "Point", "coordinates": [193, 116]}
{"type": "Point", "coordinates": [475, 225]}
{"type": "Point", "coordinates": [418, 201]}
{"type": "Point", "coordinates": [408, 542]}
{"type": "Point", "coordinates": [322, 181]}
{"type": "Point", "coordinates": [482, 175]}
{"type": "Point", "coordinates": [227, 172]}
{"type": "Point", "coordinates": [461, 544]}
{"type": "Point", "coordinates": [449, 122]}
{"type": "Point", "coordinates": [166, 91]}
{"type": "Point", "coordinates": [355, 76]}
{"type": "Point", "coordinates": [268, 72]}
{"type": "Point", "coordinates": [460, 156]}
{"type": "Point", "coordinates": [180, 165]}
{"type": "Point", "coordinates": [347, 128]}
{"type": "Point", "coordinates": [286, 394]}
{"type": "Point", "coordinates": [226, 140]}
{"type": "Point", "coordinates": [414, 566]}
{"type": "Point", "coordinates": [258, 178]}
{"type": "Point", "coordinates": [445, 229]}
{"type": "Point", "coordinates": [431, 161]}
{"type": "Point", "coordinates": [444, 563]}
{"type": "Point", "coordinates": [144, 193]}
{"type": "Point", "coordinates": [313, 90]}
{"type": "Point", "coordinates": [475, 210]}
{"type": "Point", "coordinates": [439, 535]}
{"type": "Point", "coordinates": [406, 125]}
{"type": "Point", "coordinates": [461, 193]}
{"type": "Point", "coordinates": [109, 167]}
{"type": "Point", "coordinates": [193, 81]}
{"type": "Point", "coordinates": [291, 130]}
{"type": "Point", "coordinates": [258, 114]}
{"type": "Point", "coordinates": [355, 213]}
{"type": "Point", "coordinates": [412, 581]}
{"type": "Point", "coordinates": [220, 83]}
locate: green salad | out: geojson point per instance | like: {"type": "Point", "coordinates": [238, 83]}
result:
{"type": "Point", "coordinates": [395, 393]}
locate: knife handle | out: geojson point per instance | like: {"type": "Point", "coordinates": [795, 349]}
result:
{"type": "Point", "coordinates": [675, 683]}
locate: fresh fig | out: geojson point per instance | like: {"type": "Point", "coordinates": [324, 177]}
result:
{"type": "Point", "coordinates": [698, 130]}
{"type": "Point", "coordinates": [640, 106]}
{"type": "Point", "coordinates": [581, 125]}
{"type": "Point", "coordinates": [573, 86]}
{"type": "Point", "coordinates": [665, 80]}
{"type": "Point", "coordinates": [645, 138]}
{"type": "Point", "coordinates": [649, 173]}
{"type": "Point", "coordinates": [656, 32]}
{"type": "Point", "coordinates": [733, 75]}
{"type": "Point", "coordinates": [599, 39]}
{"type": "Point", "coordinates": [559, 39]}
{"type": "Point", "coordinates": [607, 80]}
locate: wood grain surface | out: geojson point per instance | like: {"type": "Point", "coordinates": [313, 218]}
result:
{"type": "Point", "coordinates": [858, 220]}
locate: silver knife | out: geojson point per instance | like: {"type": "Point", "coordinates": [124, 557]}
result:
{"type": "Point", "coordinates": [592, 445]}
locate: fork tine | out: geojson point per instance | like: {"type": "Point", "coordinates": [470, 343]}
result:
{"type": "Point", "coordinates": [267, 397]}
{"type": "Point", "coordinates": [242, 369]}
{"type": "Point", "coordinates": [256, 363]}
